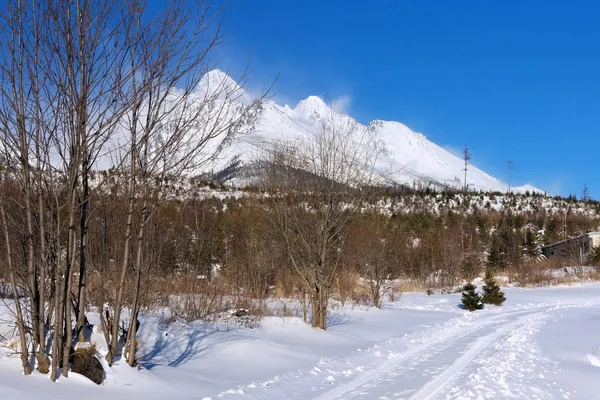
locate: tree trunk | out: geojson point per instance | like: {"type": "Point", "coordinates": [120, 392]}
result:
{"type": "Point", "coordinates": [279, 290]}
{"type": "Point", "coordinates": [376, 293]}
{"type": "Point", "coordinates": [133, 154]}
{"type": "Point", "coordinates": [138, 263]}
{"type": "Point", "coordinates": [304, 307]}
{"type": "Point", "coordinates": [315, 311]}
{"type": "Point", "coordinates": [114, 340]}
{"type": "Point", "coordinates": [31, 262]}
{"type": "Point", "coordinates": [82, 301]}
{"type": "Point", "coordinates": [68, 280]}
{"type": "Point", "coordinates": [42, 358]}
{"type": "Point", "coordinates": [103, 319]}
{"type": "Point", "coordinates": [324, 299]}
{"type": "Point", "coordinates": [40, 146]}
{"type": "Point", "coordinates": [318, 301]}
{"type": "Point", "coordinates": [131, 334]}
{"type": "Point", "coordinates": [59, 309]}
{"type": "Point", "coordinates": [13, 283]}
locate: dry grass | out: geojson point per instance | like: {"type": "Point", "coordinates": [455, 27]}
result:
{"type": "Point", "coordinates": [551, 272]}
{"type": "Point", "coordinates": [412, 285]}
{"type": "Point", "coordinates": [191, 298]}
{"type": "Point", "coordinates": [85, 350]}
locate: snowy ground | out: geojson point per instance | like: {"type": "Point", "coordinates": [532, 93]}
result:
{"type": "Point", "coordinates": [541, 344]}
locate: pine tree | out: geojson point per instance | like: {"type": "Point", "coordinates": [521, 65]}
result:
{"type": "Point", "coordinates": [470, 298]}
{"type": "Point", "coordinates": [496, 253]}
{"type": "Point", "coordinates": [532, 250]}
{"type": "Point", "coordinates": [491, 291]}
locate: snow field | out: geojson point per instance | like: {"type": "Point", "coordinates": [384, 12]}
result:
{"type": "Point", "coordinates": [541, 344]}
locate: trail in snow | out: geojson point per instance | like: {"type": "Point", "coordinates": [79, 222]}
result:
{"type": "Point", "coordinates": [481, 346]}
{"type": "Point", "coordinates": [411, 373]}
{"type": "Point", "coordinates": [473, 356]}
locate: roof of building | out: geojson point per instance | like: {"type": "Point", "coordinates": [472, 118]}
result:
{"type": "Point", "coordinates": [567, 240]}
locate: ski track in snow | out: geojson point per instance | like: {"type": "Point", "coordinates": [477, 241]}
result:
{"type": "Point", "coordinates": [468, 357]}
{"type": "Point", "coordinates": [480, 347]}
{"type": "Point", "coordinates": [428, 359]}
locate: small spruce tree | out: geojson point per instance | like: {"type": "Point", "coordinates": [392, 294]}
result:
{"type": "Point", "coordinates": [470, 298]}
{"type": "Point", "coordinates": [532, 250]}
{"type": "Point", "coordinates": [491, 291]}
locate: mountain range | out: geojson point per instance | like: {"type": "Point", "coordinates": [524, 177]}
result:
{"type": "Point", "coordinates": [408, 156]}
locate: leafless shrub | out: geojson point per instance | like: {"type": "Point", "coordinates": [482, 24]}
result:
{"type": "Point", "coordinates": [199, 306]}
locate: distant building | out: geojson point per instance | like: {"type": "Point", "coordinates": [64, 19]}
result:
{"type": "Point", "coordinates": [573, 247]}
{"type": "Point", "coordinates": [595, 236]}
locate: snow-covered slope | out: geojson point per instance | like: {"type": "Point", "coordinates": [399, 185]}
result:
{"type": "Point", "coordinates": [415, 159]}
{"type": "Point", "coordinates": [407, 157]}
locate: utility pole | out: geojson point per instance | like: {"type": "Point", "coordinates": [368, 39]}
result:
{"type": "Point", "coordinates": [585, 198]}
{"type": "Point", "coordinates": [511, 168]}
{"type": "Point", "coordinates": [585, 194]}
{"type": "Point", "coordinates": [565, 223]}
{"type": "Point", "coordinates": [466, 157]}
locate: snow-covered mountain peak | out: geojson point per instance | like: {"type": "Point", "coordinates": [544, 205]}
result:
{"type": "Point", "coordinates": [218, 83]}
{"type": "Point", "coordinates": [217, 77]}
{"type": "Point", "coordinates": [312, 108]}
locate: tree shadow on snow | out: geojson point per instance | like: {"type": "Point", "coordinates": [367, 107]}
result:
{"type": "Point", "coordinates": [173, 350]}
{"type": "Point", "coordinates": [593, 316]}
{"type": "Point", "coordinates": [335, 319]}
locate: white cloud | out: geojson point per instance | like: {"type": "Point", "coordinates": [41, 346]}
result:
{"type": "Point", "coordinates": [342, 104]}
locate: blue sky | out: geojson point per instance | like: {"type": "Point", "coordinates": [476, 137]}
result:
{"type": "Point", "coordinates": [516, 80]}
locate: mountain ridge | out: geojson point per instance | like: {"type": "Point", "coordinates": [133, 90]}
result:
{"type": "Point", "coordinates": [406, 156]}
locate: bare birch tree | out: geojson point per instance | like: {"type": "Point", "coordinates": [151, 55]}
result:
{"type": "Point", "coordinates": [83, 82]}
{"type": "Point", "coordinates": [20, 83]}
{"type": "Point", "coordinates": [88, 77]}
{"type": "Point", "coordinates": [181, 115]}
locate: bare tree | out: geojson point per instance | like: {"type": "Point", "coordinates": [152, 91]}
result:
{"type": "Point", "coordinates": [318, 183]}
{"type": "Point", "coordinates": [20, 320]}
{"type": "Point", "coordinates": [83, 82]}
{"type": "Point", "coordinates": [21, 78]}
{"type": "Point", "coordinates": [182, 113]}
{"type": "Point", "coordinates": [88, 79]}
{"type": "Point", "coordinates": [375, 247]}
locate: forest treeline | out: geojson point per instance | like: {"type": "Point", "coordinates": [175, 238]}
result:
{"type": "Point", "coordinates": [213, 241]}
